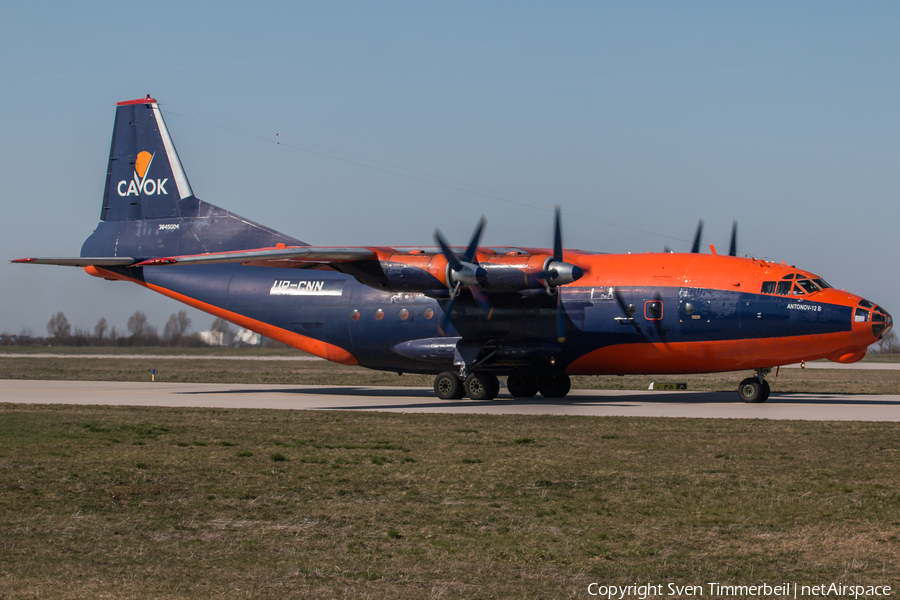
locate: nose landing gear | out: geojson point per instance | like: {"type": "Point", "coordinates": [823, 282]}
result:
{"type": "Point", "coordinates": [755, 389]}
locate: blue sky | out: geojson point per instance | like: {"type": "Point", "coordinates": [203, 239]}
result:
{"type": "Point", "coordinates": [395, 118]}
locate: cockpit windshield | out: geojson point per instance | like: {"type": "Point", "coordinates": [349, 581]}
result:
{"type": "Point", "coordinates": [808, 286]}
{"type": "Point", "coordinates": [800, 286]}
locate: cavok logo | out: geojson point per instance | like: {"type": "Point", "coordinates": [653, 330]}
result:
{"type": "Point", "coordinates": [140, 184]}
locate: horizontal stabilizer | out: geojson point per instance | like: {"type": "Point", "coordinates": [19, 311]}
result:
{"type": "Point", "coordinates": [82, 261]}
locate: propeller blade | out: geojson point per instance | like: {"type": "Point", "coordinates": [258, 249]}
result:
{"type": "Point", "coordinates": [560, 319]}
{"type": "Point", "coordinates": [482, 300]}
{"type": "Point", "coordinates": [695, 248]}
{"type": "Point", "coordinates": [445, 317]}
{"type": "Point", "coordinates": [448, 253]}
{"type": "Point", "coordinates": [476, 237]}
{"type": "Point", "coordinates": [557, 236]}
{"type": "Point", "coordinates": [732, 249]}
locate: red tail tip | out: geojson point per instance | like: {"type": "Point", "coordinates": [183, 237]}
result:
{"type": "Point", "coordinates": [147, 100]}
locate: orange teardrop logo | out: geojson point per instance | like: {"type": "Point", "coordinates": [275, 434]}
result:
{"type": "Point", "coordinates": [142, 162]}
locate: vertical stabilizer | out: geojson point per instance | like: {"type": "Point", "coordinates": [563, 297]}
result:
{"type": "Point", "coordinates": [149, 208]}
{"type": "Point", "coordinates": [144, 179]}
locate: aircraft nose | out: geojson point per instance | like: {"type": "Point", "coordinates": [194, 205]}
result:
{"type": "Point", "coordinates": [882, 322]}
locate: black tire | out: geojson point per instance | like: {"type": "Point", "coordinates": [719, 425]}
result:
{"type": "Point", "coordinates": [447, 386]}
{"type": "Point", "coordinates": [766, 391]}
{"type": "Point", "coordinates": [753, 390]}
{"type": "Point", "coordinates": [482, 386]}
{"type": "Point", "coordinates": [522, 386]}
{"type": "Point", "coordinates": [554, 386]}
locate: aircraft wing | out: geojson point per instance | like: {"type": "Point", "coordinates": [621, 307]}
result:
{"type": "Point", "coordinates": [264, 257]}
{"type": "Point", "coordinates": [268, 257]}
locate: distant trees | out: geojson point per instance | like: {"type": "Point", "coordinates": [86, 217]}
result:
{"type": "Point", "coordinates": [100, 329]}
{"type": "Point", "coordinates": [139, 333]}
{"type": "Point", "coordinates": [58, 327]}
{"type": "Point", "coordinates": [889, 343]}
{"type": "Point", "coordinates": [177, 326]}
{"type": "Point", "coordinates": [137, 324]}
{"type": "Point", "coordinates": [221, 329]}
{"type": "Point", "coordinates": [142, 332]}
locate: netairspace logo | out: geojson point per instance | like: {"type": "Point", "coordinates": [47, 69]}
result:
{"type": "Point", "coordinates": [141, 184]}
{"type": "Point", "coordinates": [719, 590]}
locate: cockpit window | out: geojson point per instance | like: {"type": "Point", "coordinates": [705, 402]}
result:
{"type": "Point", "coordinates": [861, 316]}
{"type": "Point", "coordinates": [866, 304]}
{"type": "Point", "coordinates": [789, 276]}
{"type": "Point", "coordinates": [808, 285]}
{"type": "Point", "coordinates": [822, 283]}
{"type": "Point", "coordinates": [786, 287]}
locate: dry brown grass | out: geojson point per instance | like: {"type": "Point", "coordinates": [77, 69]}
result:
{"type": "Point", "coordinates": [187, 503]}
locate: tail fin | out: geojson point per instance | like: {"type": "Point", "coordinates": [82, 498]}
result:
{"type": "Point", "coordinates": [149, 209]}
{"type": "Point", "coordinates": [145, 179]}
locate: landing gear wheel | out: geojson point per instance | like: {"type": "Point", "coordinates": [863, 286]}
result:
{"type": "Point", "coordinates": [482, 386]}
{"type": "Point", "coordinates": [753, 390]}
{"type": "Point", "coordinates": [447, 386]}
{"type": "Point", "coordinates": [522, 386]}
{"type": "Point", "coordinates": [554, 386]}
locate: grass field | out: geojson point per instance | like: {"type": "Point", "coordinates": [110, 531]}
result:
{"type": "Point", "coordinates": [317, 372]}
{"type": "Point", "coordinates": [196, 503]}
{"type": "Point", "coordinates": [184, 503]}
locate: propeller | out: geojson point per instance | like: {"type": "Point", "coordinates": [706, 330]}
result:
{"type": "Point", "coordinates": [732, 248]}
{"type": "Point", "coordinates": [695, 247]}
{"type": "Point", "coordinates": [554, 274]}
{"type": "Point", "coordinates": [463, 273]}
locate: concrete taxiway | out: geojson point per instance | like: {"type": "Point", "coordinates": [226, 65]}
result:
{"type": "Point", "coordinates": [724, 405]}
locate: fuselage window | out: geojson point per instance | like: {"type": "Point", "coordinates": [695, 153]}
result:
{"type": "Point", "coordinates": [653, 310]}
{"type": "Point", "coordinates": [429, 313]}
{"type": "Point", "coordinates": [354, 315]}
{"type": "Point", "coordinates": [379, 314]}
{"type": "Point", "coordinates": [784, 288]}
{"type": "Point", "coordinates": [768, 287]}
{"type": "Point", "coordinates": [404, 314]}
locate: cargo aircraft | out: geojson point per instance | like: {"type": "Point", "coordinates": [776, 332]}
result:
{"type": "Point", "coordinates": [467, 315]}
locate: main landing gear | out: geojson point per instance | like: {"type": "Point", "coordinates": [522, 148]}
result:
{"type": "Point", "coordinates": [485, 386]}
{"type": "Point", "coordinates": [477, 386]}
{"type": "Point", "coordinates": [755, 389]}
